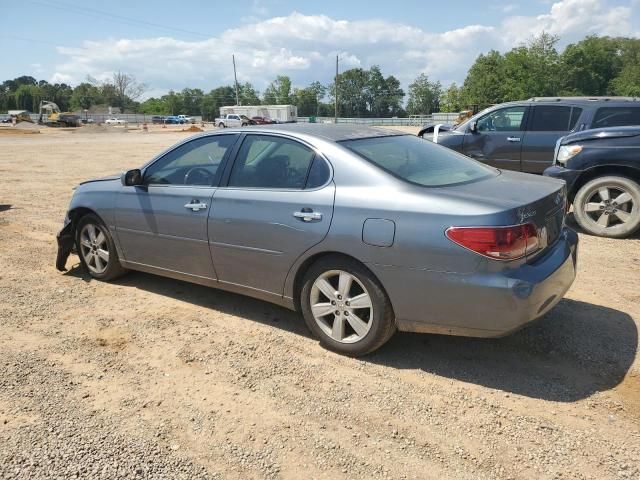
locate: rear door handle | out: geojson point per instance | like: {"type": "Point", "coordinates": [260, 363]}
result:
{"type": "Point", "coordinates": [513, 139]}
{"type": "Point", "coordinates": [308, 216]}
{"type": "Point", "coordinates": [196, 206]}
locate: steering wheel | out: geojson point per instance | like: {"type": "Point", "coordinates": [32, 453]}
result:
{"type": "Point", "coordinates": [198, 176]}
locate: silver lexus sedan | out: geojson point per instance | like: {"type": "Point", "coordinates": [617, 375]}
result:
{"type": "Point", "coordinates": [363, 230]}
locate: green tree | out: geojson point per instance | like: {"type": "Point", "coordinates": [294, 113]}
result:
{"type": "Point", "coordinates": [450, 99]}
{"type": "Point", "coordinates": [85, 96]}
{"type": "Point", "coordinates": [590, 65]}
{"type": "Point", "coordinates": [59, 93]}
{"type": "Point", "coordinates": [191, 101]}
{"type": "Point", "coordinates": [278, 92]}
{"type": "Point", "coordinates": [248, 95]}
{"type": "Point", "coordinates": [174, 102]}
{"type": "Point", "coordinates": [352, 93]}
{"type": "Point", "coordinates": [27, 97]}
{"type": "Point", "coordinates": [216, 98]}
{"type": "Point", "coordinates": [154, 106]}
{"type": "Point", "coordinates": [384, 95]}
{"type": "Point", "coordinates": [308, 99]}
{"type": "Point", "coordinates": [627, 83]}
{"type": "Point", "coordinates": [424, 96]}
{"type": "Point", "coordinates": [483, 84]}
{"type": "Point", "coordinates": [532, 70]}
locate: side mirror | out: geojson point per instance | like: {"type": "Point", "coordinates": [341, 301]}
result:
{"type": "Point", "coordinates": [473, 127]}
{"type": "Point", "coordinates": [131, 178]}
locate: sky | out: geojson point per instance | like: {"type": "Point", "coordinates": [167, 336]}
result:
{"type": "Point", "coordinates": [176, 44]}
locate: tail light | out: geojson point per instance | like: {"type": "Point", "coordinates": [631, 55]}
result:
{"type": "Point", "coordinates": [501, 243]}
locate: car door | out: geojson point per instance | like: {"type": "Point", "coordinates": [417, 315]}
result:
{"type": "Point", "coordinates": [163, 223]}
{"type": "Point", "coordinates": [546, 124]}
{"type": "Point", "coordinates": [276, 204]}
{"type": "Point", "coordinates": [497, 138]}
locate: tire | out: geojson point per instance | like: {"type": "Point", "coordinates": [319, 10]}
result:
{"type": "Point", "coordinates": [608, 207]}
{"type": "Point", "coordinates": [361, 330]}
{"type": "Point", "coordinates": [92, 240]}
{"type": "Point", "coordinates": [244, 124]}
{"type": "Point", "coordinates": [221, 125]}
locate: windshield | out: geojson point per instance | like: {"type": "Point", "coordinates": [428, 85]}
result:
{"type": "Point", "coordinates": [419, 161]}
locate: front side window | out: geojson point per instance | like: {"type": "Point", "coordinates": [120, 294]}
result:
{"type": "Point", "coordinates": [616, 117]}
{"type": "Point", "coordinates": [271, 162]}
{"type": "Point", "coordinates": [194, 163]}
{"type": "Point", "coordinates": [504, 120]}
{"type": "Point", "coordinates": [419, 161]}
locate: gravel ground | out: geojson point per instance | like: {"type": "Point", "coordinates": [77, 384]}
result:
{"type": "Point", "coordinates": [154, 378]}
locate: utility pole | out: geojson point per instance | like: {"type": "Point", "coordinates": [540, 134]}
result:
{"type": "Point", "coordinates": [235, 78]}
{"type": "Point", "coordinates": [335, 116]}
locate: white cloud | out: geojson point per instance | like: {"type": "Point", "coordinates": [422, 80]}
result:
{"type": "Point", "coordinates": [304, 47]}
{"type": "Point", "coordinates": [569, 18]}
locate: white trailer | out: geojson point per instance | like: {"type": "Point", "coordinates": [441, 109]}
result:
{"type": "Point", "coordinates": [279, 113]}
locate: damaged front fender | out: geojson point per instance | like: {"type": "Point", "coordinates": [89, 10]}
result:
{"type": "Point", "coordinates": [65, 245]}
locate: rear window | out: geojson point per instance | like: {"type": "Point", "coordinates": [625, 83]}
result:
{"type": "Point", "coordinates": [419, 161]}
{"type": "Point", "coordinates": [616, 117]}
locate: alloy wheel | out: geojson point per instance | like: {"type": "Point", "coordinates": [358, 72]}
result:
{"type": "Point", "coordinates": [610, 206]}
{"type": "Point", "coordinates": [341, 306]}
{"type": "Point", "coordinates": [94, 248]}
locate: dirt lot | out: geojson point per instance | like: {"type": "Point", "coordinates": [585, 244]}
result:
{"type": "Point", "coordinates": [154, 378]}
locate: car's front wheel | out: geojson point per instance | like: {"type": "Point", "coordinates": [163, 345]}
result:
{"type": "Point", "coordinates": [345, 306]}
{"type": "Point", "coordinates": [608, 206]}
{"type": "Point", "coordinates": [97, 250]}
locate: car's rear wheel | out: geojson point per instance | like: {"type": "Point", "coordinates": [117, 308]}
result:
{"type": "Point", "coordinates": [97, 250]}
{"type": "Point", "coordinates": [345, 306]}
{"type": "Point", "coordinates": [608, 206]}
{"type": "Point", "coordinates": [221, 125]}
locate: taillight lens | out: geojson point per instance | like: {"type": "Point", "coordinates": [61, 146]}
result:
{"type": "Point", "coordinates": [501, 243]}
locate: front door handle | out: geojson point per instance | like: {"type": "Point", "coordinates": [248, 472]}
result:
{"type": "Point", "coordinates": [196, 206]}
{"type": "Point", "coordinates": [308, 216]}
{"type": "Point", "coordinates": [513, 139]}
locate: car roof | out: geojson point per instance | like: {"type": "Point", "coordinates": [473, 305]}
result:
{"type": "Point", "coordinates": [327, 131]}
{"type": "Point", "coordinates": [599, 101]}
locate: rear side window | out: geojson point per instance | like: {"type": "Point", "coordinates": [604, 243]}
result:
{"type": "Point", "coordinates": [550, 119]}
{"type": "Point", "coordinates": [575, 116]}
{"type": "Point", "coordinates": [318, 174]}
{"type": "Point", "coordinates": [271, 162]}
{"type": "Point", "coordinates": [616, 117]}
{"type": "Point", "coordinates": [419, 161]}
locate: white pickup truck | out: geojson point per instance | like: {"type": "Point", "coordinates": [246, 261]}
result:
{"type": "Point", "coordinates": [185, 119]}
{"type": "Point", "coordinates": [233, 120]}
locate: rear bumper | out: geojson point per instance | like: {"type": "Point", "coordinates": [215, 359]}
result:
{"type": "Point", "coordinates": [569, 176]}
{"type": "Point", "coordinates": [488, 304]}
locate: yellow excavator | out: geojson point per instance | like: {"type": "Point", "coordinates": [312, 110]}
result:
{"type": "Point", "coordinates": [55, 118]}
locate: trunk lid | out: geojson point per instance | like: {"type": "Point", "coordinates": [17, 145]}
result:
{"type": "Point", "coordinates": [514, 198]}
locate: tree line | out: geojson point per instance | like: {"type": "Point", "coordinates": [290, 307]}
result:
{"type": "Point", "coordinates": [25, 93]}
{"type": "Point", "coordinates": [593, 66]}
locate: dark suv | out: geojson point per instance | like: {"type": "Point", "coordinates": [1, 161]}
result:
{"type": "Point", "coordinates": [522, 135]}
{"type": "Point", "coordinates": [602, 171]}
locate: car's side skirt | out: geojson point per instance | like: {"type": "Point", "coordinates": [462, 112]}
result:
{"type": "Point", "coordinates": [212, 282]}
